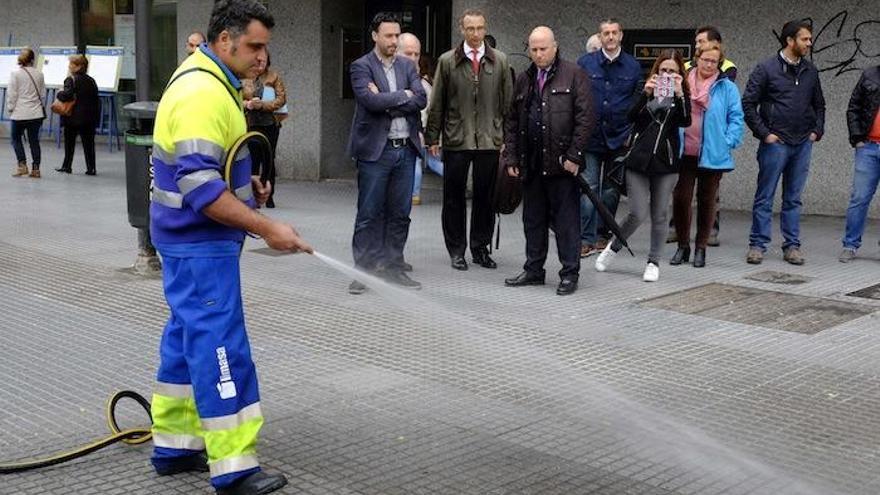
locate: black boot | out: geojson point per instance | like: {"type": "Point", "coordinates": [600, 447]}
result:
{"type": "Point", "coordinates": [682, 255]}
{"type": "Point", "coordinates": [699, 257]}
{"type": "Point", "coordinates": [196, 463]}
{"type": "Point", "coordinates": [255, 484]}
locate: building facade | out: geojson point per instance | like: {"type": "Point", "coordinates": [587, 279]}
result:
{"type": "Point", "coordinates": [313, 40]}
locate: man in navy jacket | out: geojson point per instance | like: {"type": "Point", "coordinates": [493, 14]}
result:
{"type": "Point", "coordinates": [614, 77]}
{"type": "Point", "coordinates": [785, 109]}
{"type": "Point", "coordinates": [384, 141]}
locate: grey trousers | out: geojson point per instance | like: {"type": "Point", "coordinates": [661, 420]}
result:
{"type": "Point", "coordinates": [647, 196]}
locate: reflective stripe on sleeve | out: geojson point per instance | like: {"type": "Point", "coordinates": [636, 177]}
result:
{"type": "Point", "coordinates": [201, 147]}
{"type": "Point", "coordinates": [167, 198]}
{"type": "Point", "coordinates": [232, 421]}
{"type": "Point", "coordinates": [166, 157]}
{"type": "Point", "coordinates": [190, 182]}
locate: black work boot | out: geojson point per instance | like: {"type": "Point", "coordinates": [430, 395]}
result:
{"type": "Point", "coordinates": [197, 463]}
{"type": "Point", "coordinates": [255, 484]}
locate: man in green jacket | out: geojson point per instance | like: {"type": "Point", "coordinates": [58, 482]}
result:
{"type": "Point", "coordinates": [472, 88]}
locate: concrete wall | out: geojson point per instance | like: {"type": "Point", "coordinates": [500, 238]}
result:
{"type": "Point", "coordinates": [296, 56]}
{"type": "Point", "coordinates": [336, 112]}
{"type": "Point", "coordinates": [41, 23]}
{"type": "Point", "coordinates": [747, 29]}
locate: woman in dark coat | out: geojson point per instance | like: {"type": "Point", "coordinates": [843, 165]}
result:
{"type": "Point", "coordinates": [654, 157]}
{"type": "Point", "coordinates": [81, 88]}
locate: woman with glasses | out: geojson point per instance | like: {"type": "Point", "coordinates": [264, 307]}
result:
{"type": "Point", "coordinates": [716, 129]}
{"type": "Point", "coordinates": [652, 161]}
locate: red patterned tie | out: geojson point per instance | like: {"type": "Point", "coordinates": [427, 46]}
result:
{"type": "Point", "coordinates": [475, 62]}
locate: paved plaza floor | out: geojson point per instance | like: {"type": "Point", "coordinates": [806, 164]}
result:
{"type": "Point", "coordinates": [732, 379]}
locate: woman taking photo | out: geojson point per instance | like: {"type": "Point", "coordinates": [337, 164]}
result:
{"type": "Point", "coordinates": [24, 102]}
{"type": "Point", "coordinates": [263, 98]}
{"type": "Point", "coordinates": [80, 88]}
{"type": "Point", "coordinates": [716, 129]}
{"type": "Point", "coordinates": [653, 158]}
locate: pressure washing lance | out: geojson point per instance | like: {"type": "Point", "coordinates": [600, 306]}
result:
{"type": "Point", "coordinates": [136, 436]}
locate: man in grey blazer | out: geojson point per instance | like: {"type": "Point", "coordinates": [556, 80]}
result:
{"type": "Point", "coordinates": [384, 142]}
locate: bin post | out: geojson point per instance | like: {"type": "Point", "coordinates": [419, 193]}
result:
{"type": "Point", "coordinates": [138, 177]}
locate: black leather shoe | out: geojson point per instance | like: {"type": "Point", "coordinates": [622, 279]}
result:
{"type": "Point", "coordinates": [699, 258]}
{"type": "Point", "coordinates": [682, 255]}
{"type": "Point", "coordinates": [459, 263]}
{"type": "Point", "coordinates": [524, 278]}
{"type": "Point", "coordinates": [91, 172]}
{"type": "Point", "coordinates": [401, 279]}
{"type": "Point", "coordinates": [566, 287]}
{"type": "Point", "coordinates": [481, 257]}
{"type": "Point", "coordinates": [406, 266]}
{"type": "Point", "coordinates": [258, 483]}
{"type": "Point", "coordinates": [197, 463]}
{"type": "Point", "coordinates": [63, 170]}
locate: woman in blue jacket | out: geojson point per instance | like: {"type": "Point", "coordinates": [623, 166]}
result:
{"type": "Point", "coordinates": [716, 129]}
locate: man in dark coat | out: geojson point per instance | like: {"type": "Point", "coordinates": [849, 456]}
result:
{"type": "Point", "coordinates": [785, 110]}
{"type": "Point", "coordinates": [547, 153]}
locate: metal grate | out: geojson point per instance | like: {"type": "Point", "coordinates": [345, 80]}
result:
{"type": "Point", "coordinates": [783, 278]}
{"type": "Point", "coordinates": [761, 308]}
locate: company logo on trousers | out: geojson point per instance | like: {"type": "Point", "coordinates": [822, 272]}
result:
{"type": "Point", "coordinates": [226, 387]}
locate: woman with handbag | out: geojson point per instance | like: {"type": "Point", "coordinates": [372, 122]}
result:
{"type": "Point", "coordinates": [716, 129]}
{"type": "Point", "coordinates": [80, 90]}
{"type": "Point", "coordinates": [24, 102]}
{"type": "Point", "coordinates": [653, 159]}
{"type": "Point", "coordinates": [264, 100]}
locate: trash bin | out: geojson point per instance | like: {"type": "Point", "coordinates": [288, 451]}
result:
{"type": "Point", "coordinates": [138, 167]}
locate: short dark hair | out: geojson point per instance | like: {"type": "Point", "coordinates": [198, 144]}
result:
{"type": "Point", "coordinates": [381, 17]}
{"type": "Point", "coordinates": [791, 29]}
{"type": "Point", "coordinates": [234, 16]}
{"type": "Point", "coordinates": [610, 20]}
{"type": "Point", "coordinates": [472, 13]}
{"type": "Point", "coordinates": [712, 33]}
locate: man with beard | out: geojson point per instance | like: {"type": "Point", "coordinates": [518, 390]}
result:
{"type": "Point", "coordinates": [785, 109]}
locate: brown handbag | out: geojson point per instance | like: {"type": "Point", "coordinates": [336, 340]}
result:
{"type": "Point", "coordinates": [63, 108]}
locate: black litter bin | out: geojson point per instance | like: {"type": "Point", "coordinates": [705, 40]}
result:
{"type": "Point", "coordinates": [138, 168]}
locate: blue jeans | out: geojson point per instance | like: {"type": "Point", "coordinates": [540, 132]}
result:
{"type": "Point", "coordinates": [434, 163]}
{"type": "Point", "coordinates": [384, 204]}
{"type": "Point", "coordinates": [32, 128]}
{"type": "Point", "coordinates": [792, 163]}
{"type": "Point", "coordinates": [590, 221]}
{"type": "Point", "coordinates": [865, 179]}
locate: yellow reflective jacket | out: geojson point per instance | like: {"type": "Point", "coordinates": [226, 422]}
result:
{"type": "Point", "coordinates": [199, 118]}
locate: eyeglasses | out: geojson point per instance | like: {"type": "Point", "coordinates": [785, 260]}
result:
{"type": "Point", "coordinates": [709, 61]}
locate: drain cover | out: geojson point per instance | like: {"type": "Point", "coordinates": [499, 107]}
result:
{"type": "Point", "coordinates": [779, 278]}
{"type": "Point", "coordinates": [762, 308]}
{"type": "Point", "coordinates": [872, 292]}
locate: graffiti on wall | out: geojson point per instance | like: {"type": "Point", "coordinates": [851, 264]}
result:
{"type": "Point", "coordinates": [841, 45]}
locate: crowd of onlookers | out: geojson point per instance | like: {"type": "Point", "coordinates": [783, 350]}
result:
{"type": "Point", "coordinates": [597, 126]}
{"type": "Point", "coordinates": [557, 127]}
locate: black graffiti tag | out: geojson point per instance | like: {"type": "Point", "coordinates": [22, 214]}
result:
{"type": "Point", "coordinates": [838, 50]}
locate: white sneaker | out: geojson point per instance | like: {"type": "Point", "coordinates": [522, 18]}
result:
{"type": "Point", "coordinates": [652, 273]}
{"type": "Point", "coordinates": [603, 261]}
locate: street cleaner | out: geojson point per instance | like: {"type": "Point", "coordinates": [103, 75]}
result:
{"type": "Point", "coordinates": [206, 404]}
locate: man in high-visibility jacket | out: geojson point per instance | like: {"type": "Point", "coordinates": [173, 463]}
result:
{"type": "Point", "coordinates": [206, 398]}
